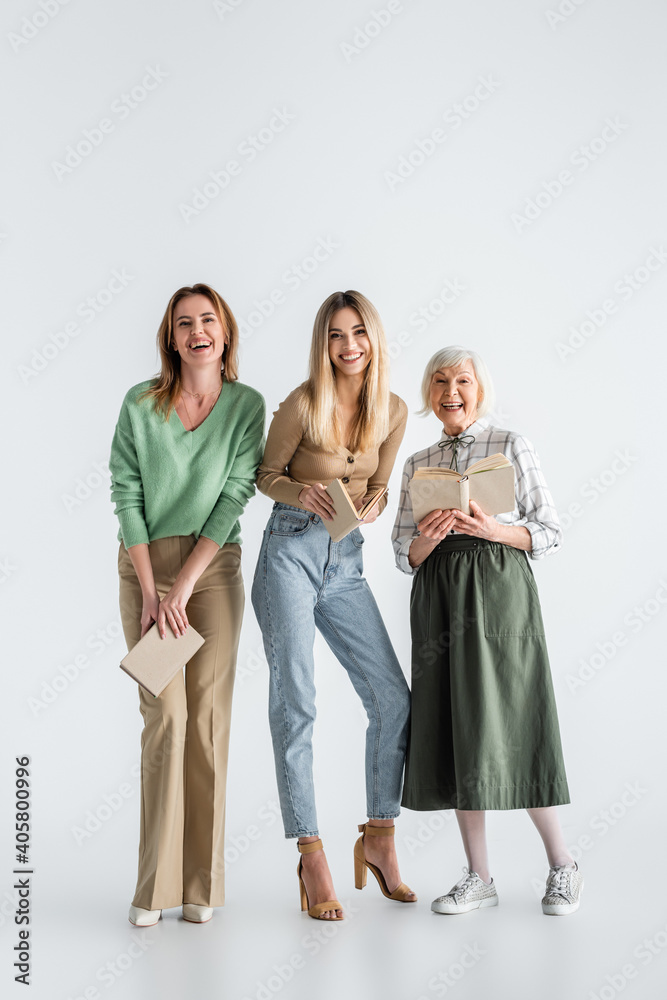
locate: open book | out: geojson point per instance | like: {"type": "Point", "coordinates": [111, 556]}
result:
{"type": "Point", "coordinates": [347, 517]}
{"type": "Point", "coordinates": [490, 483]}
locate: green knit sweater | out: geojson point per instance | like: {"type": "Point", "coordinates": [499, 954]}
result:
{"type": "Point", "coordinates": [168, 481]}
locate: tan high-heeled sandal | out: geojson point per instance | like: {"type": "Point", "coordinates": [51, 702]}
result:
{"type": "Point", "coordinates": [317, 909]}
{"type": "Point", "coordinates": [403, 892]}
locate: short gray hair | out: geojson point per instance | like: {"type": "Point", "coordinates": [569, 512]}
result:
{"type": "Point", "coordinates": [452, 357]}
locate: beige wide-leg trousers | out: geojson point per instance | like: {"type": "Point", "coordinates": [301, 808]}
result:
{"type": "Point", "coordinates": [185, 741]}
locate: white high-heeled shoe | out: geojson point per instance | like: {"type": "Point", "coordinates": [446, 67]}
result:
{"type": "Point", "coordinates": [143, 918]}
{"type": "Point", "coordinates": [197, 914]}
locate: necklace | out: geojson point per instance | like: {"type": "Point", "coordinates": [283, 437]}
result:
{"type": "Point", "coordinates": [200, 396]}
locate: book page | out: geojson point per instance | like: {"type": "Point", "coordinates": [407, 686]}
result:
{"type": "Point", "coordinates": [497, 461]}
{"type": "Point", "coordinates": [494, 490]}
{"type": "Point", "coordinates": [439, 493]}
{"type": "Point", "coordinates": [371, 502]}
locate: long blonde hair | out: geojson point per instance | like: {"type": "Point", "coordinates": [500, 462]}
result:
{"type": "Point", "coordinates": [166, 387]}
{"type": "Point", "coordinates": [319, 396]}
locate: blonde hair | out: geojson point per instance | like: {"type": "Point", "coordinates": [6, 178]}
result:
{"type": "Point", "coordinates": [319, 396]}
{"type": "Point", "coordinates": [166, 387]}
{"type": "Point", "coordinates": [452, 357]}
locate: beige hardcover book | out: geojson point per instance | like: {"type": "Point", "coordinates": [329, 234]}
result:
{"type": "Point", "coordinates": [490, 483]}
{"type": "Point", "coordinates": [347, 517]}
{"type": "Point", "coordinates": [154, 661]}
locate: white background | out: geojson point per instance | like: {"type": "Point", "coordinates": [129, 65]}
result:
{"type": "Point", "coordinates": [362, 100]}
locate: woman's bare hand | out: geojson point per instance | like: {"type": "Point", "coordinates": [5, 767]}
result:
{"type": "Point", "coordinates": [149, 612]}
{"type": "Point", "coordinates": [172, 608]}
{"type": "Point", "coordinates": [316, 499]}
{"type": "Point", "coordinates": [480, 525]}
{"type": "Point", "coordinates": [437, 524]}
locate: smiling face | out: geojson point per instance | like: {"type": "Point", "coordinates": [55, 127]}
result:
{"type": "Point", "coordinates": [198, 334]}
{"type": "Point", "coordinates": [455, 393]}
{"type": "Point", "coordinates": [349, 345]}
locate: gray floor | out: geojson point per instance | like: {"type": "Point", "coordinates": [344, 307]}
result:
{"type": "Point", "coordinates": [260, 944]}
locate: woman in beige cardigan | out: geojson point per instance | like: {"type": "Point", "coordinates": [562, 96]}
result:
{"type": "Point", "coordinates": [343, 423]}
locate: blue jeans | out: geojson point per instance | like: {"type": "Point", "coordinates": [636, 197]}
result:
{"type": "Point", "coordinates": [304, 579]}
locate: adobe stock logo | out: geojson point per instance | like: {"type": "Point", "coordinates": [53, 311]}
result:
{"type": "Point", "coordinates": [564, 10]}
{"type": "Point", "coordinates": [636, 619]}
{"type": "Point", "coordinates": [453, 118]}
{"type": "Point", "coordinates": [222, 7]}
{"type": "Point", "coordinates": [366, 33]}
{"type": "Point", "coordinates": [84, 486]}
{"type": "Point", "coordinates": [33, 24]}
{"type": "Point", "coordinates": [7, 569]}
{"type": "Point", "coordinates": [97, 642]}
{"type": "Point", "coordinates": [122, 107]}
{"type": "Point", "coordinates": [420, 319]}
{"type": "Point", "coordinates": [581, 158]}
{"type": "Point", "coordinates": [88, 310]}
{"type": "Point", "coordinates": [247, 151]}
{"type": "Point", "coordinates": [624, 289]}
{"type": "Point", "coordinates": [292, 278]}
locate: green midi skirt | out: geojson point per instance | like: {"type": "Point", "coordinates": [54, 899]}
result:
{"type": "Point", "coordinates": [484, 730]}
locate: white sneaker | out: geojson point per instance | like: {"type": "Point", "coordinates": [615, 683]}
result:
{"type": "Point", "coordinates": [563, 891]}
{"type": "Point", "coordinates": [197, 914]}
{"type": "Point", "coordinates": [143, 918]}
{"type": "Point", "coordinates": [470, 893]}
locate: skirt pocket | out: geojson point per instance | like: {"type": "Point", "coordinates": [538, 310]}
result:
{"type": "Point", "coordinates": [511, 602]}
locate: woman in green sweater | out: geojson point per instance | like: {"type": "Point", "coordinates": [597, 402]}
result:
{"type": "Point", "coordinates": [183, 463]}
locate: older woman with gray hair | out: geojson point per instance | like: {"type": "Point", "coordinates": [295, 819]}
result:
{"type": "Point", "coordinates": [484, 732]}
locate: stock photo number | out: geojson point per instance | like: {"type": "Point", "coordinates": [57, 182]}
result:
{"type": "Point", "coordinates": [22, 885]}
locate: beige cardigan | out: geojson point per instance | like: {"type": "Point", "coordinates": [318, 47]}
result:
{"type": "Point", "coordinates": [292, 461]}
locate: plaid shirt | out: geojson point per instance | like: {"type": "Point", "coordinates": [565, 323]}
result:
{"type": "Point", "coordinates": [534, 506]}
